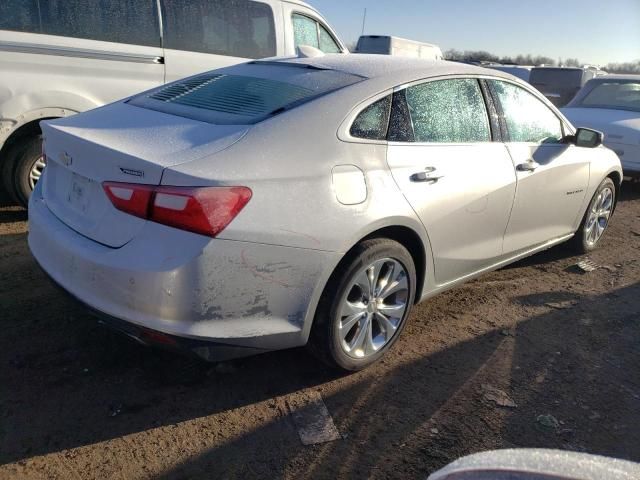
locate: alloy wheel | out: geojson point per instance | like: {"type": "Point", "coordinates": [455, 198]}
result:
{"type": "Point", "coordinates": [599, 216]}
{"type": "Point", "coordinates": [373, 308]}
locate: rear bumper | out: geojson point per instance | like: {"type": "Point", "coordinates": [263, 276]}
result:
{"type": "Point", "coordinates": [204, 349]}
{"type": "Point", "coordinates": [235, 294]}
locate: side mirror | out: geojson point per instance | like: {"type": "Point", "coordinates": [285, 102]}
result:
{"type": "Point", "coordinates": [587, 138]}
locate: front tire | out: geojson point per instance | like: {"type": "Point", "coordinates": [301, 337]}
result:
{"type": "Point", "coordinates": [364, 306]}
{"type": "Point", "coordinates": [596, 218]}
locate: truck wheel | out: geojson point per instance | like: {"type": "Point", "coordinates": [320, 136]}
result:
{"type": "Point", "coordinates": [29, 164]}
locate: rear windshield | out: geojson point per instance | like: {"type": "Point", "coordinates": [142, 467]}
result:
{"type": "Point", "coordinates": [624, 96]}
{"type": "Point", "coordinates": [244, 94]}
{"type": "Point", "coordinates": [556, 76]}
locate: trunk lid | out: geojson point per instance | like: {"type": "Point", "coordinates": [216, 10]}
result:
{"type": "Point", "coordinates": [121, 143]}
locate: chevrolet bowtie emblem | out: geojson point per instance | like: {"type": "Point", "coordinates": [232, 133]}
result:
{"type": "Point", "coordinates": [66, 159]}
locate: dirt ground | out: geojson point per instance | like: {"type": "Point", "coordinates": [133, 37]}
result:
{"type": "Point", "coordinates": [78, 401]}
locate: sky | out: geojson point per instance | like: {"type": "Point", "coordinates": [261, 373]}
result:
{"type": "Point", "coordinates": [594, 31]}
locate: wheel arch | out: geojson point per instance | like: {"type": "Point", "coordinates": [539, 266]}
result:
{"type": "Point", "coordinates": [29, 124]}
{"type": "Point", "coordinates": [409, 239]}
{"type": "Point", "coordinates": [25, 110]}
{"type": "Point", "coordinates": [616, 177]}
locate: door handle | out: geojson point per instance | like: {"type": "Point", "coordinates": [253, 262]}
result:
{"type": "Point", "coordinates": [528, 166]}
{"type": "Point", "coordinates": [426, 176]}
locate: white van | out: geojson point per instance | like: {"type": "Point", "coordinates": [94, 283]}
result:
{"type": "Point", "coordinates": [387, 45]}
{"type": "Point", "coordinates": [59, 57]}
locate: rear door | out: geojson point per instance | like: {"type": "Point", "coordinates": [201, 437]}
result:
{"type": "Point", "coordinates": [460, 182]}
{"type": "Point", "coordinates": [552, 175]}
{"type": "Point", "coordinates": [202, 35]}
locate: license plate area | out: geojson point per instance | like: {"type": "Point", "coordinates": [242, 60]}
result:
{"type": "Point", "coordinates": [79, 194]}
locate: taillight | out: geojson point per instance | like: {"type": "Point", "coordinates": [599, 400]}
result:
{"type": "Point", "coordinates": [204, 210]}
{"type": "Point", "coordinates": [130, 198]}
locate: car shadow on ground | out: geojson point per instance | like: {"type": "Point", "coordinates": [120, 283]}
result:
{"type": "Point", "coordinates": [70, 383]}
{"type": "Point", "coordinates": [565, 386]}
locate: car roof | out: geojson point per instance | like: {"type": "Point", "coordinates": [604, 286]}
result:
{"type": "Point", "coordinates": [609, 77]}
{"type": "Point", "coordinates": [394, 69]}
{"type": "Point", "coordinates": [302, 4]}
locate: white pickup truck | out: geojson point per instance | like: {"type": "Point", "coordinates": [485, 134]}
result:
{"type": "Point", "coordinates": [59, 57]}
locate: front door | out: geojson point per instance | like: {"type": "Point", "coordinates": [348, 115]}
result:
{"type": "Point", "coordinates": [552, 175]}
{"type": "Point", "coordinates": [459, 182]}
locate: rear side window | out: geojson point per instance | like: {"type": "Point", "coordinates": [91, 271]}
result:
{"type": "Point", "coordinates": [307, 31]}
{"type": "Point", "coordinates": [236, 28]}
{"type": "Point", "coordinates": [527, 118]}
{"type": "Point", "coordinates": [373, 122]}
{"type": "Point", "coordinates": [121, 21]}
{"type": "Point", "coordinates": [448, 111]}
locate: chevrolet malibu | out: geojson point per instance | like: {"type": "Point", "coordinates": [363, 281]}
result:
{"type": "Point", "coordinates": [314, 201]}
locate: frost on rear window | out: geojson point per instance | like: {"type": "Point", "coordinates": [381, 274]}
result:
{"type": "Point", "coordinates": [244, 94]}
{"type": "Point", "coordinates": [373, 122]}
{"type": "Point", "coordinates": [235, 94]}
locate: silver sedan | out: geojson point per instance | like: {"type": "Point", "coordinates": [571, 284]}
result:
{"type": "Point", "coordinates": [313, 201]}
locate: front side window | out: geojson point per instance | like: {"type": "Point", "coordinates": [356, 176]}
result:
{"type": "Point", "coordinates": [527, 118]}
{"type": "Point", "coordinates": [373, 122]}
{"type": "Point", "coordinates": [625, 95]}
{"type": "Point", "coordinates": [120, 21]}
{"type": "Point", "coordinates": [236, 28]}
{"type": "Point", "coordinates": [448, 111]}
{"type": "Point", "coordinates": [307, 31]}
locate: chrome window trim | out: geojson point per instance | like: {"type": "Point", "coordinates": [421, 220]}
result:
{"type": "Point", "coordinates": [40, 49]}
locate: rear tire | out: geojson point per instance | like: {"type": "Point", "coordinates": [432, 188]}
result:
{"type": "Point", "coordinates": [596, 218]}
{"type": "Point", "coordinates": [353, 326]}
{"type": "Point", "coordinates": [28, 168]}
